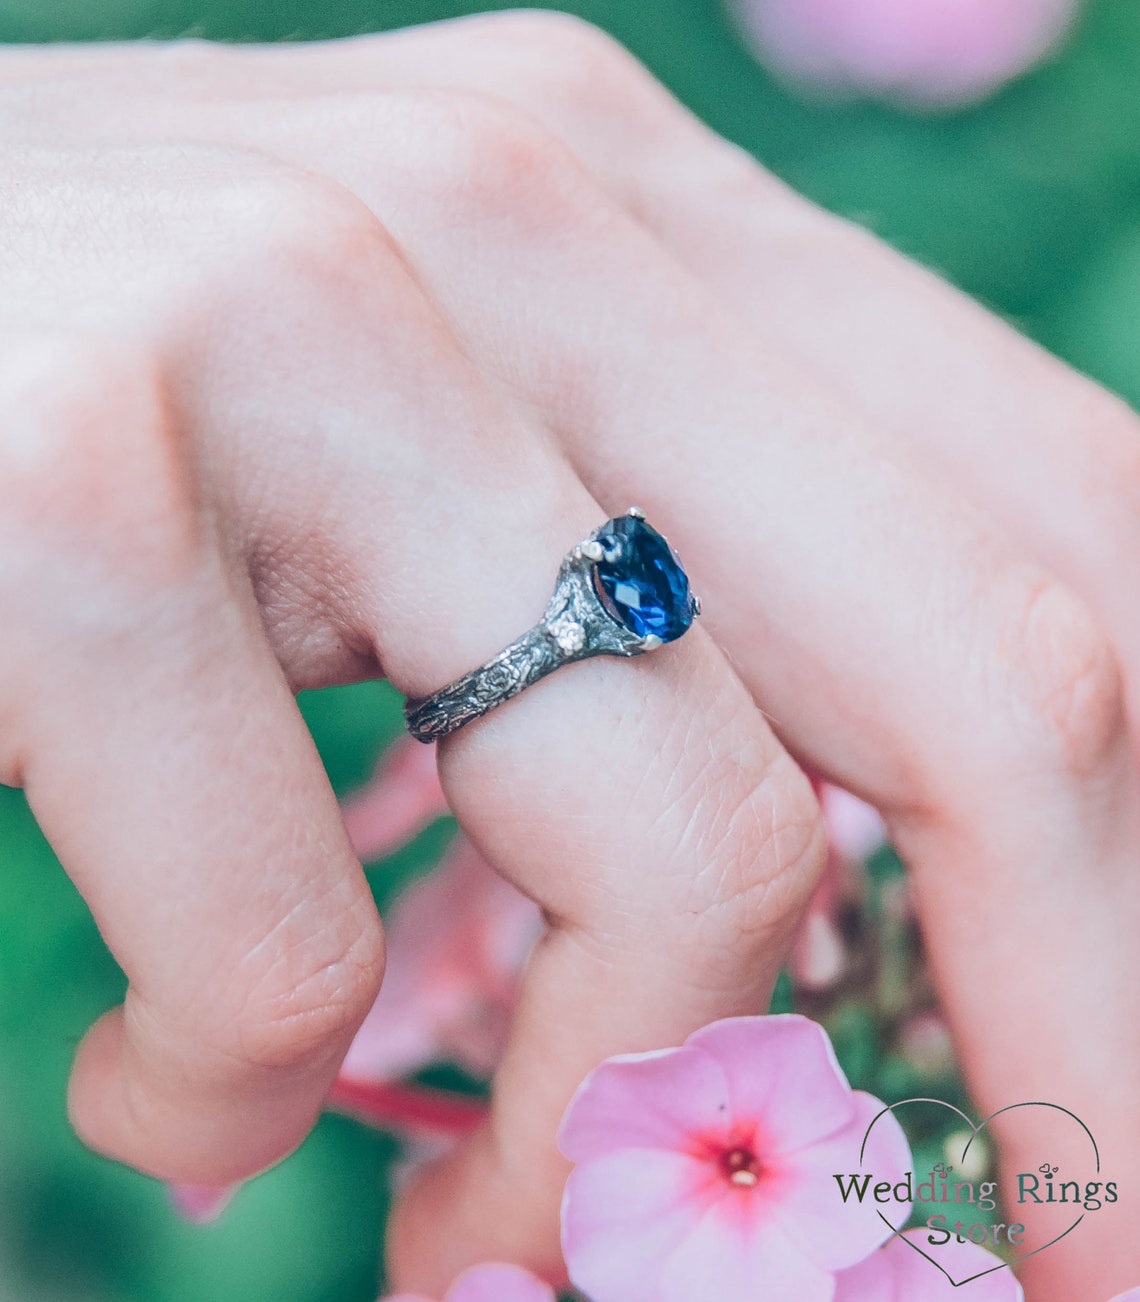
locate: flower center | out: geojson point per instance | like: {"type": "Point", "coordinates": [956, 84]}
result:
{"type": "Point", "coordinates": [741, 1167]}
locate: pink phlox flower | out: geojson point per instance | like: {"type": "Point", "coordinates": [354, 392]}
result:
{"type": "Point", "coordinates": [400, 799]}
{"type": "Point", "coordinates": [855, 830]}
{"type": "Point", "coordinates": [708, 1171]}
{"type": "Point", "coordinates": [491, 1283]}
{"type": "Point", "coordinates": [934, 52]}
{"type": "Point", "coordinates": [457, 938]}
{"type": "Point", "coordinates": [457, 943]}
{"type": "Point", "coordinates": [200, 1204]}
{"type": "Point", "coordinates": [819, 954]}
{"type": "Point", "coordinates": [897, 1273]}
{"type": "Point", "coordinates": [924, 1041]}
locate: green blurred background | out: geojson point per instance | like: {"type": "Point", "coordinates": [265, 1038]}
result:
{"type": "Point", "coordinates": [1030, 201]}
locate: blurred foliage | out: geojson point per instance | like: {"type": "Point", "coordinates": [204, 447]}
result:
{"type": "Point", "coordinates": [1030, 201]}
{"type": "Point", "coordinates": [883, 990]}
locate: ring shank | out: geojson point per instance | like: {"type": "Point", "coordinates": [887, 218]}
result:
{"type": "Point", "coordinates": [575, 626]}
{"type": "Point", "coordinates": [515, 668]}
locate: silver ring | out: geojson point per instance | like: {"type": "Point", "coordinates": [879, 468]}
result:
{"type": "Point", "coordinates": [621, 592]}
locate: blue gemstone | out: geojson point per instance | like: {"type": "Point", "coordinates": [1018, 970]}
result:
{"type": "Point", "coordinates": [641, 580]}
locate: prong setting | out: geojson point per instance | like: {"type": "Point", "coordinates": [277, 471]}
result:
{"type": "Point", "coordinates": [636, 512]}
{"type": "Point", "coordinates": [696, 604]}
{"type": "Point", "coordinates": [650, 642]}
{"type": "Point", "coordinates": [593, 550]}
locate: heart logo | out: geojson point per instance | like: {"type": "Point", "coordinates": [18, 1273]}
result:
{"type": "Point", "coordinates": [975, 1131]}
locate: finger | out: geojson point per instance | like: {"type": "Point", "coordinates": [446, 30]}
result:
{"type": "Point", "coordinates": [644, 804]}
{"type": "Point", "coordinates": [402, 797]}
{"type": "Point", "coordinates": [672, 866]}
{"type": "Point", "coordinates": [165, 759]}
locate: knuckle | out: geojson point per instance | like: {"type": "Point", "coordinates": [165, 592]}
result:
{"type": "Point", "coordinates": [575, 73]}
{"type": "Point", "coordinates": [92, 470]}
{"type": "Point", "coordinates": [285, 226]}
{"type": "Point", "coordinates": [497, 166]}
{"type": "Point", "coordinates": [303, 1009]}
{"type": "Point", "coordinates": [767, 848]}
{"type": "Point", "coordinates": [1068, 684]}
{"type": "Point", "coordinates": [749, 819]}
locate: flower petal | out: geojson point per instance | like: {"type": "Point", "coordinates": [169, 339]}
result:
{"type": "Point", "coordinates": [872, 1280]}
{"type": "Point", "coordinates": [897, 1273]}
{"type": "Point", "coordinates": [622, 1212]}
{"type": "Point", "coordinates": [400, 799]}
{"type": "Point", "coordinates": [938, 52]}
{"type": "Point", "coordinates": [200, 1204]}
{"type": "Point", "coordinates": [738, 1256]}
{"type": "Point", "coordinates": [856, 829]}
{"type": "Point", "coordinates": [782, 1075]}
{"type": "Point", "coordinates": [808, 1200]}
{"type": "Point", "coordinates": [499, 1283]}
{"type": "Point", "coordinates": [669, 1099]}
{"type": "Point", "coordinates": [650, 1226]}
{"type": "Point", "coordinates": [457, 942]}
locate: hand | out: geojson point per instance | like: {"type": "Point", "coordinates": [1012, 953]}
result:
{"type": "Point", "coordinates": [317, 360]}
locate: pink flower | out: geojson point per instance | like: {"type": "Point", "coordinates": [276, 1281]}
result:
{"type": "Point", "coordinates": [457, 939]}
{"type": "Point", "coordinates": [854, 827]}
{"type": "Point", "coordinates": [819, 956]}
{"type": "Point", "coordinates": [896, 1273]}
{"type": "Point", "coordinates": [200, 1204]}
{"type": "Point", "coordinates": [491, 1283]}
{"type": "Point", "coordinates": [419, 1112]}
{"type": "Point", "coordinates": [457, 942]}
{"type": "Point", "coordinates": [708, 1171]}
{"type": "Point", "coordinates": [924, 1041]}
{"type": "Point", "coordinates": [401, 799]}
{"type": "Point", "coordinates": [918, 51]}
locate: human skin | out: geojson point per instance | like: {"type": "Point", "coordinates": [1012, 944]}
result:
{"type": "Point", "coordinates": [314, 361]}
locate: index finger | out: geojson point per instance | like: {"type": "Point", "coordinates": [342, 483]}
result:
{"type": "Point", "coordinates": [164, 756]}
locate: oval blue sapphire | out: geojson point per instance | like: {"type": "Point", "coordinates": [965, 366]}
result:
{"type": "Point", "coordinates": [641, 581]}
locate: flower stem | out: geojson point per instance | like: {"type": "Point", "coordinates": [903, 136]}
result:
{"type": "Point", "coordinates": [389, 1105]}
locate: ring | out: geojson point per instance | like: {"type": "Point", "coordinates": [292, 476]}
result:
{"type": "Point", "coordinates": [621, 592]}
